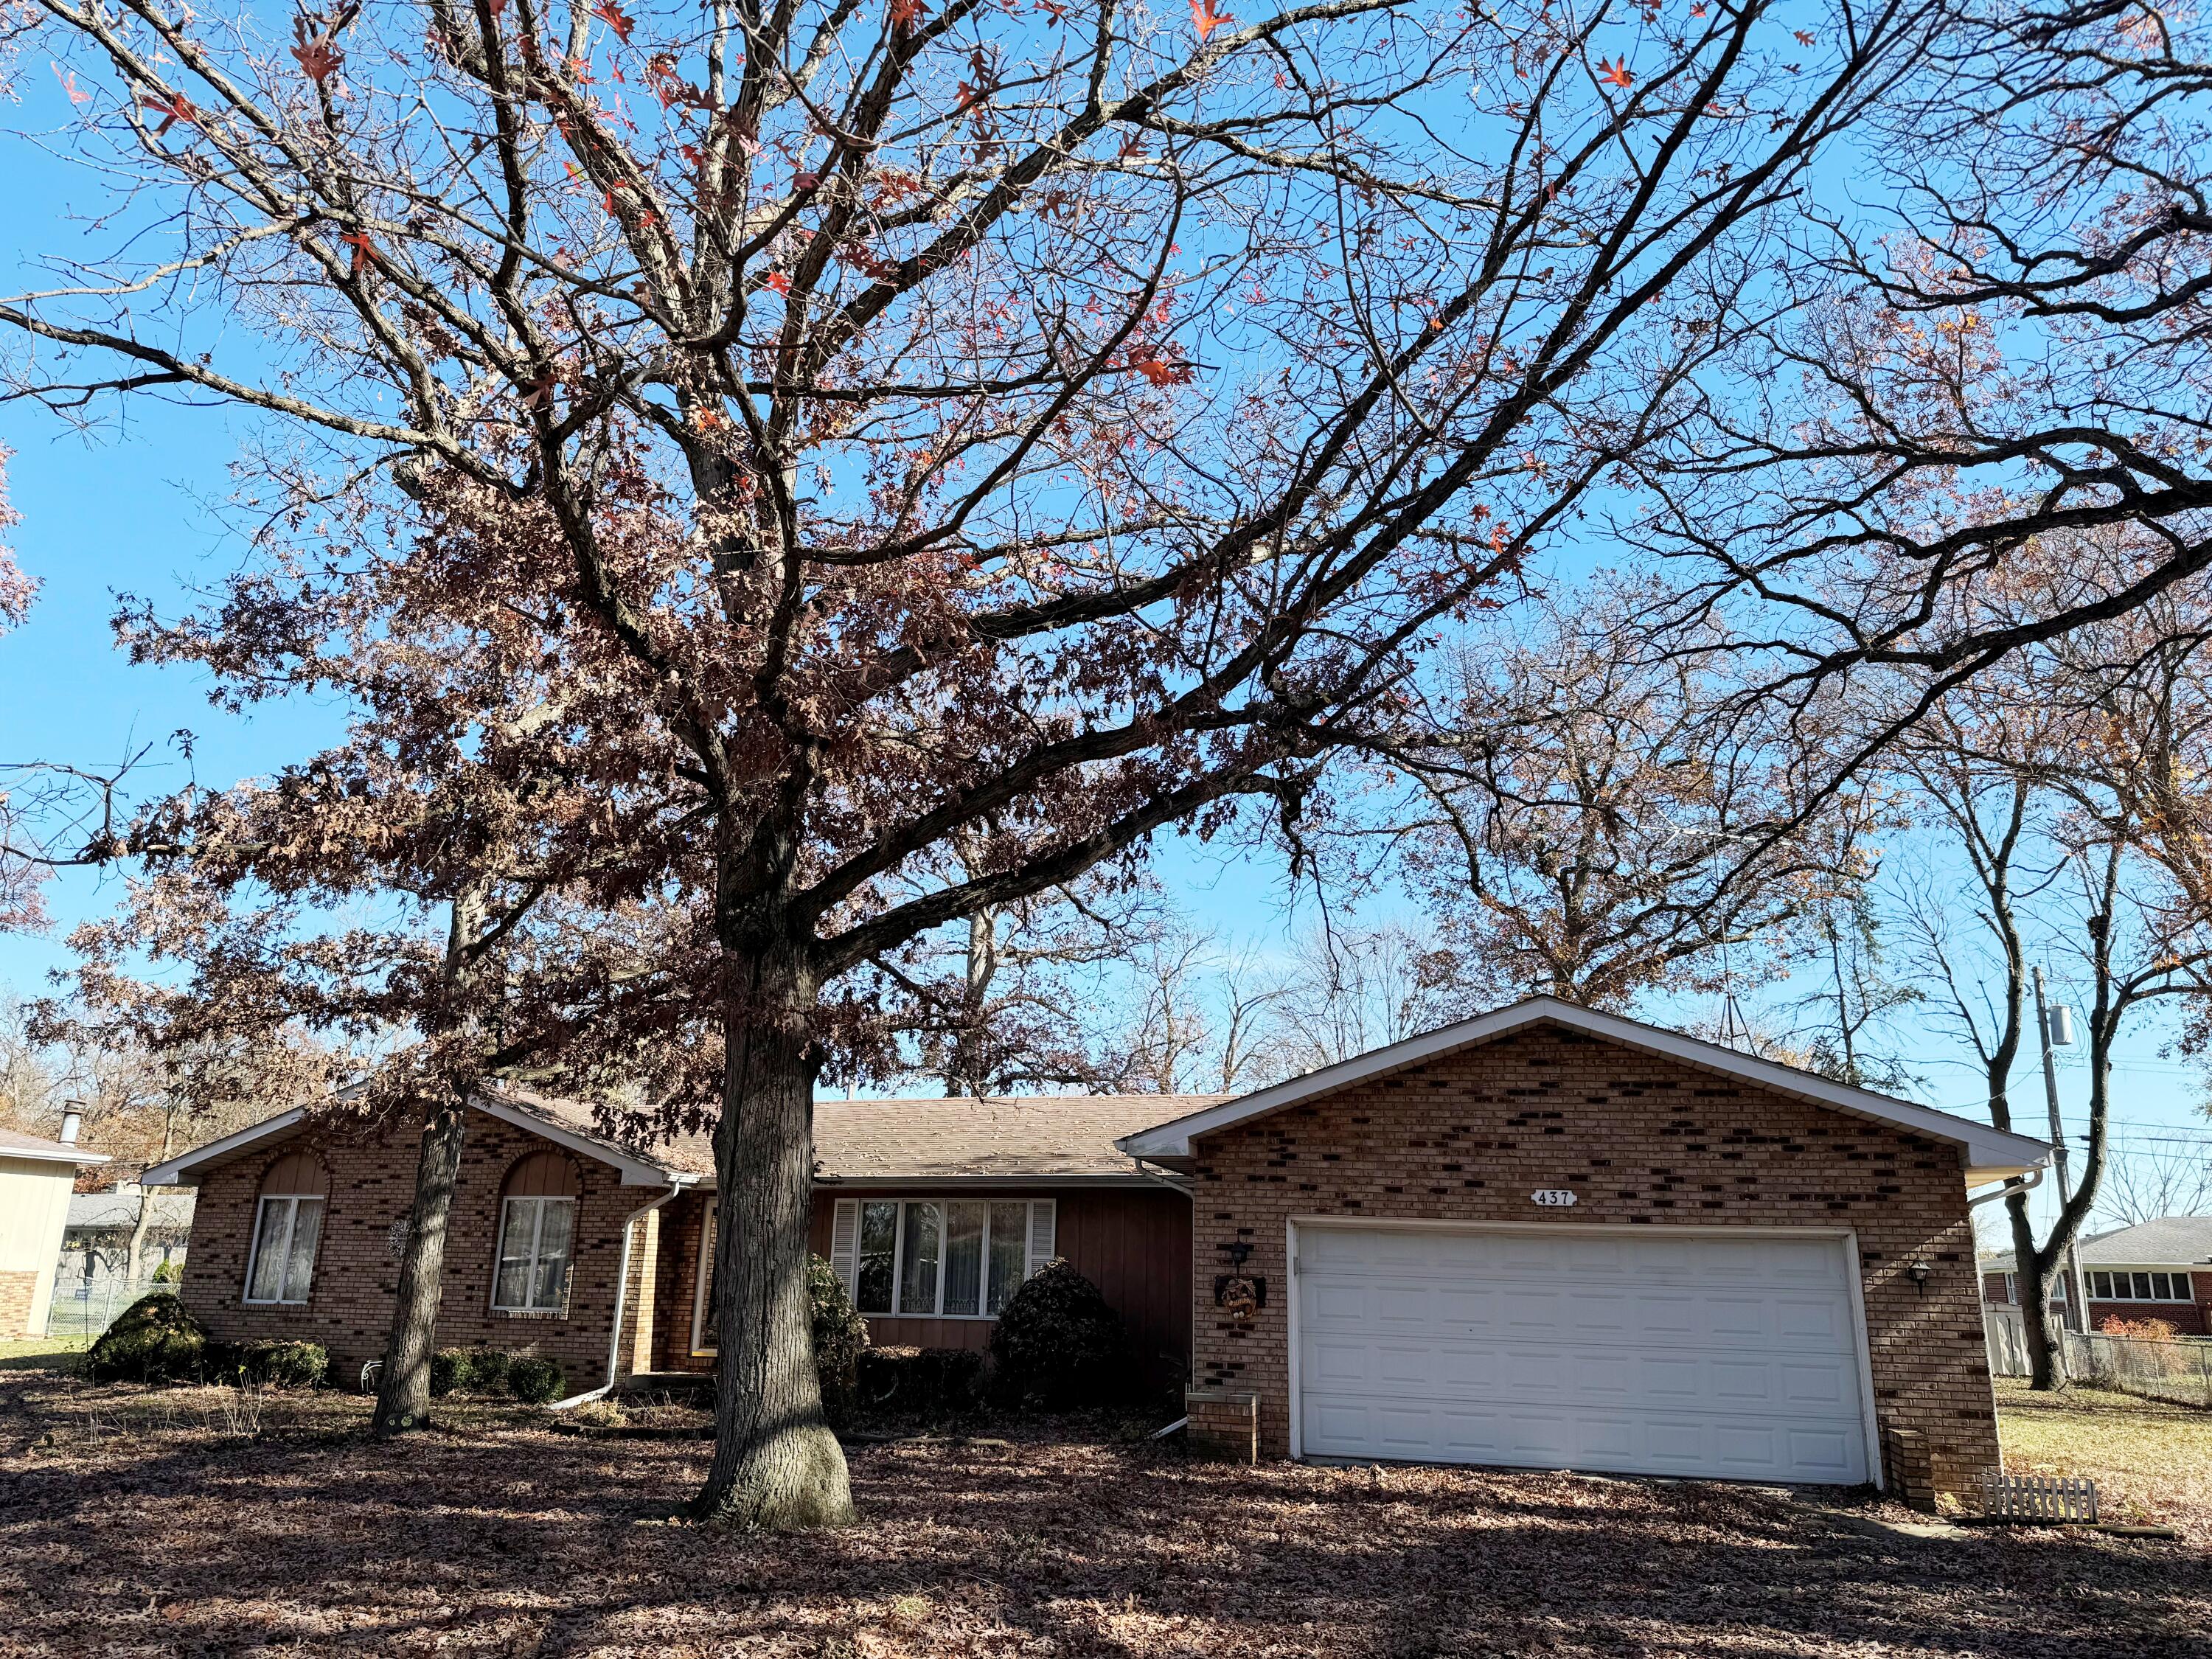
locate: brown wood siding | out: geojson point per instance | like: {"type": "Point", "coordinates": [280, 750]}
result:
{"type": "Point", "coordinates": [1133, 1242]}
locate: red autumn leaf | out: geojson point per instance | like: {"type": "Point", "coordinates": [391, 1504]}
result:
{"type": "Point", "coordinates": [172, 109]}
{"type": "Point", "coordinates": [1804, 36]}
{"type": "Point", "coordinates": [77, 95]}
{"type": "Point", "coordinates": [318, 58]}
{"type": "Point", "coordinates": [1053, 10]}
{"type": "Point", "coordinates": [1696, 11]}
{"type": "Point", "coordinates": [1206, 20]}
{"type": "Point", "coordinates": [778, 281]}
{"type": "Point", "coordinates": [1162, 373]}
{"type": "Point", "coordinates": [610, 14]}
{"type": "Point", "coordinates": [1616, 74]}
{"type": "Point", "coordinates": [363, 247]}
{"type": "Point", "coordinates": [905, 14]}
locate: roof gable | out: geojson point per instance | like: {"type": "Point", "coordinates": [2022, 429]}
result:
{"type": "Point", "coordinates": [1992, 1154]}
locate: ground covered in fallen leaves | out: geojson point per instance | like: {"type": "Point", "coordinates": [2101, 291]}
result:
{"type": "Point", "coordinates": [191, 1522]}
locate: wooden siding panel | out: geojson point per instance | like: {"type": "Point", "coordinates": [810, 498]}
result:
{"type": "Point", "coordinates": [1133, 1242]}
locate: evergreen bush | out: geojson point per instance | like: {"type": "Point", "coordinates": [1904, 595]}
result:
{"type": "Point", "coordinates": [1058, 1344]}
{"type": "Point", "coordinates": [840, 1336]}
{"type": "Point", "coordinates": [154, 1339]}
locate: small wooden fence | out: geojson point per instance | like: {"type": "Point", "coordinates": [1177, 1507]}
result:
{"type": "Point", "coordinates": [2039, 1498]}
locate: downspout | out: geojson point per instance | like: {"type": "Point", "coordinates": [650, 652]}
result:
{"type": "Point", "coordinates": [621, 1293]}
{"type": "Point", "coordinates": [2025, 1183]}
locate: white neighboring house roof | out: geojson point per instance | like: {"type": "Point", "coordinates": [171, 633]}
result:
{"type": "Point", "coordinates": [14, 1143]}
{"type": "Point", "coordinates": [637, 1170]}
{"type": "Point", "coordinates": [1992, 1154]}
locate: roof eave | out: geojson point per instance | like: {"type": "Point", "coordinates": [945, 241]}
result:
{"type": "Point", "coordinates": [40, 1154]}
{"type": "Point", "coordinates": [1992, 1154]}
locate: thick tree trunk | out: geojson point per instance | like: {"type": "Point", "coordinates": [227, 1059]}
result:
{"type": "Point", "coordinates": [138, 1231]}
{"type": "Point", "coordinates": [402, 1391]}
{"type": "Point", "coordinates": [776, 1466]}
{"type": "Point", "coordinates": [2046, 1358]}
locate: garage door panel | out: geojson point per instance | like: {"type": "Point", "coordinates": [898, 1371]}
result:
{"type": "Point", "coordinates": [1799, 1319]}
{"type": "Point", "coordinates": [1687, 1356]}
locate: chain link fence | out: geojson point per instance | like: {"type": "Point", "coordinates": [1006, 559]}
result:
{"type": "Point", "coordinates": [85, 1307]}
{"type": "Point", "coordinates": [2178, 1370]}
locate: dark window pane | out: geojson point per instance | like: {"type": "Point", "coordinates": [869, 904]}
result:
{"type": "Point", "coordinates": [963, 1258]}
{"type": "Point", "coordinates": [2143, 1287]}
{"type": "Point", "coordinates": [918, 1269]}
{"type": "Point", "coordinates": [514, 1252]}
{"type": "Point", "coordinates": [307, 1231]}
{"type": "Point", "coordinates": [1010, 1252]}
{"type": "Point", "coordinates": [878, 1240]}
{"type": "Point", "coordinates": [268, 1252]}
{"type": "Point", "coordinates": [557, 1219]}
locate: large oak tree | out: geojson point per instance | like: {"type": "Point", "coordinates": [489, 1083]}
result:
{"type": "Point", "coordinates": [1014, 428]}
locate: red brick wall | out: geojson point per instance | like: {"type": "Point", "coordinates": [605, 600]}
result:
{"type": "Point", "coordinates": [348, 1307]}
{"type": "Point", "coordinates": [1643, 1140]}
{"type": "Point", "coordinates": [16, 1290]}
{"type": "Point", "coordinates": [2187, 1319]}
{"type": "Point", "coordinates": [1133, 1242]}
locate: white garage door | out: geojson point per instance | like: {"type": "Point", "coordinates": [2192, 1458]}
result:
{"type": "Point", "coordinates": [1566, 1347]}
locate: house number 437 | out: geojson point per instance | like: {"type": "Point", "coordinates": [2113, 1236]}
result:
{"type": "Point", "coordinates": [1553, 1198]}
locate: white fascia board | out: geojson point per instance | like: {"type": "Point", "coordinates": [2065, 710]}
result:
{"type": "Point", "coordinates": [62, 1155]}
{"type": "Point", "coordinates": [635, 1171]}
{"type": "Point", "coordinates": [184, 1171]}
{"type": "Point", "coordinates": [1992, 1154]}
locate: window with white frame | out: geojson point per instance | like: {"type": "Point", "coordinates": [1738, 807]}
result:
{"type": "Point", "coordinates": [285, 1235]}
{"type": "Point", "coordinates": [2055, 1291]}
{"type": "Point", "coordinates": [2140, 1286]}
{"type": "Point", "coordinates": [287, 1228]}
{"type": "Point", "coordinates": [534, 1238]}
{"type": "Point", "coordinates": [943, 1258]}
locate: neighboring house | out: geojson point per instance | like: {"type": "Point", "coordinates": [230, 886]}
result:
{"type": "Point", "coordinates": [1544, 1237]}
{"type": "Point", "coordinates": [2159, 1269]}
{"type": "Point", "coordinates": [36, 1179]}
{"type": "Point", "coordinates": [96, 1258]}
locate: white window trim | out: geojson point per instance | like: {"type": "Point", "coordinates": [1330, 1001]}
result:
{"type": "Point", "coordinates": [536, 1238]}
{"type": "Point", "coordinates": [291, 1226]}
{"type": "Point", "coordinates": [2187, 1284]}
{"type": "Point", "coordinates": [699, 1350]}
{"type": "Point", "coordinates": [848, 1263]}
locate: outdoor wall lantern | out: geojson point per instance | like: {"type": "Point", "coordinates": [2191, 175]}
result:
{"type": "Point", "coordinates": [1918, 1273]}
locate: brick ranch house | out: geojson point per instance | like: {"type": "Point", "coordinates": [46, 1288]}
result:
{"type": "Point", "coordinates": [2159, 1269]}
{"type": "Point", "coordinates": [1542, 1238]}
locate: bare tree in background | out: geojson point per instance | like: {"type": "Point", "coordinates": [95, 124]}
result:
{"type": "Point", "coordinates": [1596, 821]}
{"type": "Point", "coordinates": [2143, 1183]}
{"type": "Point", "coordinates": [2066, 784]}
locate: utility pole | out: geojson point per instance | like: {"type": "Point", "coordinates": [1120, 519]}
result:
{"type": "Point", "coordinates": [2077, 1301]}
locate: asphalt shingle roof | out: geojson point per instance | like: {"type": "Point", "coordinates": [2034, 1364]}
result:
{"type": "Point", "coordinates": [2170, 1240]}
{"type": "Point", "coordinates": [930, 1138]}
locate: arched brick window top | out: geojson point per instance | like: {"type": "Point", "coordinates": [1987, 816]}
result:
{"type": "Point", "coordinates": [287, 1230]}
{"type": "Point", "coordinates": [298, 1174]}
{"type": "Point", "coordinates": [547, 1174]}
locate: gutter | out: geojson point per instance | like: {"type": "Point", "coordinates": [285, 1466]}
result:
{"type": "Point", "coordinates": [2025, 1183]}
{"type": "Point", "coordinates": [677, 1186]}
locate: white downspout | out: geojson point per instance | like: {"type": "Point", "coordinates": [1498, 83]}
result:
{"type": "Point", "coordinates": [621, 1293]}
